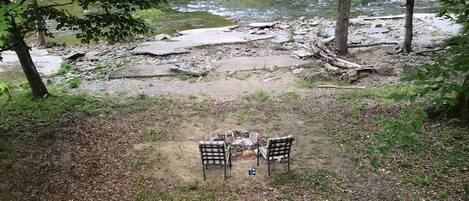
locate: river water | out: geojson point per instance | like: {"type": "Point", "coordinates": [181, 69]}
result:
{"type": "Point", "coordinates": [268, 10]}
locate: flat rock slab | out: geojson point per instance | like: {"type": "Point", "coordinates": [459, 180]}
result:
{"type": "Point", "coordinates": [262, 24]}
{"type": "Point", "coordinates": [182, 44]}
{"type": "Point", "coordinates": [257, 63]}
{"type": "Point", "coordinates": [441, 23]}
{"type": "Point", "coordinates": [373, 30]}
{"type": "Point", "coordinates": [163, 48]}
{"type": "Point", "coordinates": [144, 71]}
{"type": "Point", "coordinates": [46, 64]}
{"type": "Point", "coordinates": [196, 31]}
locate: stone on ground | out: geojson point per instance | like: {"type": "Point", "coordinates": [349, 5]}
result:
{"type": "Point", "coordinates": [144, 71]}
{"type": "Point", "coordinates": [257, 63]}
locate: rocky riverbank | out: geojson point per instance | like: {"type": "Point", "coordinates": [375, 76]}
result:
{"type": "Point", "coordinates": [217, 53]}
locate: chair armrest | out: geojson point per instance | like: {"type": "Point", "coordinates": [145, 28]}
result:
{"type": "Point", "coordinates": [228, 149]}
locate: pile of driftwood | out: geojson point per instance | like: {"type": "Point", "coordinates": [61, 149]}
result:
{"type": "Point", "coordinates": [346, 70]}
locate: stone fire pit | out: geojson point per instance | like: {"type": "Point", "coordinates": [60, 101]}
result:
{"type": "Point", "coordinates": [243, 142]}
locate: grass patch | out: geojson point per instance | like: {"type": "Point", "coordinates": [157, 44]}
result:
{"type": "Point", "coordinates": [74, 82]}
{"type": "Point", "coordinates": [25, 118]}
{"type": "Point", "coordinates": [318, 179]}
{"type": "Point", "coordinates": [184, 77]}
{"type": "Point", "coordinates": [65, 67]}
{"type": "Point", "coordinates": [148, 158]}
{"type": "Point", "coordinates": [241, 117]}
{"type": "Point", "coordinates": [307, 84]}
{"type": "Point", "coordinates": [378, 93]}
{"type": "Point", "coordinates": [157, 134]}
{"type": "Point", "coordinates": [355, 110]}
{"type": "Point", "coordinates": [258, 96]}
{"type": "Point", "coordinates": [290, 97]}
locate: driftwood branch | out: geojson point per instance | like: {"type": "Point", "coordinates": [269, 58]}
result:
{"type": "Point", "coordinates": [347, 70]}
{"type": "Point", "coordinates": [341, 87]}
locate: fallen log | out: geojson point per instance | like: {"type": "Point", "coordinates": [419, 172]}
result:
{"type": "Point", "coordinates": [373, 44]}
{"type": "Point", "coordinates": [341, 87]}
{"type": "Point", "coordinates": [390, 17]}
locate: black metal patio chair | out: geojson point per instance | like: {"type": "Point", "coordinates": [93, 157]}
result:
{"type": "Point", "coordinates": [215, 153]}
{"type": "Point", "coordinates": [275, 149]}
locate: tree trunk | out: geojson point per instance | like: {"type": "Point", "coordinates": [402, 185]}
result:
{"type": "Point", "coordinates": [462, 104]}
{"type": "Point", "coordinates": [341, 27]}
{"type": "Point", "coordinates": [409, 15]}
{"type": "Point", "coordinates": [40, 25]}
{"type": "Point", "coordinates": [41, 38]}
{"type": "Point", "coordinates": [35, 82]}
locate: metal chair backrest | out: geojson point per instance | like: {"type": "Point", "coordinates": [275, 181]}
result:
{"type": "Point", "coordinates": [279, 147]}
{"type": "Point", "coordinates": [213, 152]}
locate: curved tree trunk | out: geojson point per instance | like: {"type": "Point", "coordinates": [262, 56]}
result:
{"type": "Point", "coordinates": [341, 27]}
{"type": "Point", "coordinates": [409, 15]}
{"type": "Point", "coordinates": [462, 104]}
{"type": "Point", "coordinates": [34, 79]}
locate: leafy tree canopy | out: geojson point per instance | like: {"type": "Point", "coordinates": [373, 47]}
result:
{"type": "Point", "coordinates": [108, 19]}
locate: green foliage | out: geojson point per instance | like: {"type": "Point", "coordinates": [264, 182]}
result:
{"type": "Point", "coordinates": [445, 82]}
{"type": "Point", "coordinates": [65, 67]}
{"type": "Point", "coordinates": [258, 96]}
{"type": "Point", "coordinates": [74, 82]}
{"type": "Point", "coordinates": [108, 19]}
{"type": "Point", "coordinates": [402, 132]}
{"type": "Point", "coordinates": [9, 13]}
{"type": "Point", "coordinates": [5, 90]}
